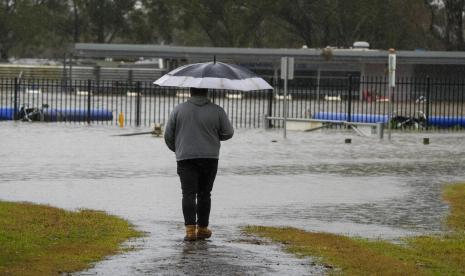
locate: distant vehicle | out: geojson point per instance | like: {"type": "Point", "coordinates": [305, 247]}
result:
{"type": "Point", "coordinates": [132, 94]}
{"type": "Point", "coordinates": [280, 97]}
{"type": "Point", "coordinates": [372, 96]}
{"type": "Point", "coordinates": [333, 98]}
{"type": "Point", "coordinates": [83, 92]}
{"type": "Point", "coordinates": [183, 94]}
{"type": "Point", "coordinates": [33, 89]}
{"type": "Point", "coordinates": [234, 95]}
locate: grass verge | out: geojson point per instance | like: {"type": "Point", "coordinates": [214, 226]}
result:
{"type": "Point", "coordinates": [423, 255]}
{"type": "Point", "coordinates": [42, 240]}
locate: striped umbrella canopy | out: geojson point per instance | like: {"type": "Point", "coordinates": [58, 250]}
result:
{"type": "Point", "coordinates": [214, 75]}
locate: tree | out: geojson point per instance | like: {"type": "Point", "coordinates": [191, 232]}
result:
{"type": "Point", "coordinates": [29, 27]}
{"type": "Point", "coordinates": [447, 22]}
{"type": "Point", "coordinates": [339, 23]}
{"type": "Point", "coordinates": [7, 11]}
{"type": "Point", "coordinates": [300, 17]}
{"type": "Point", "coordinates": [225, 23]}
{"type": "Point", "coordinates": [44, 27]}
{"type": "Point", "coordinates": [153, 21]}
{"type": "Point", "coordinates": [101, 21]}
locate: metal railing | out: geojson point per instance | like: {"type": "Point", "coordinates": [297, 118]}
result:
{"type": "Point", "coordinates": [418, 103]}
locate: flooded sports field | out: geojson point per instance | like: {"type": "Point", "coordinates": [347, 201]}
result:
{"type": "Point", "coordinates": [313, 181]}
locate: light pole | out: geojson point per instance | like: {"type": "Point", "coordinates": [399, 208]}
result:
{"type": "Point", "coordinates": [391, 87]}
{"type": "Point", "coordinates": [287, 73]}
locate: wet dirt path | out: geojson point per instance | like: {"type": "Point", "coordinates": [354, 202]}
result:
{"type": "Point", "coordinates": [228, 253]}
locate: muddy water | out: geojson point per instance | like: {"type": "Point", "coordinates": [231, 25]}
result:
{"type": "Point", "coordinates": [312, 181]}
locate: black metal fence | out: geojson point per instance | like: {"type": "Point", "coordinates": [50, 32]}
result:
{"type": "Point", "coordinates": [417, 103]}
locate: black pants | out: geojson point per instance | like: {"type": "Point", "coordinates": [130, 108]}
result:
{"type": "Point", "coordinates": [197, 177]}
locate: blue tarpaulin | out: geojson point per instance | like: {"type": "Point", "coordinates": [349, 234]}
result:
{"type": "Point", "coordinates": [434, 120]}
{"type": "Point", "coordinates": [54, 115]}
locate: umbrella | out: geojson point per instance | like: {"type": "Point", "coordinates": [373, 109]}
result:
{"type": "Point", "coordinates": [214, 75]}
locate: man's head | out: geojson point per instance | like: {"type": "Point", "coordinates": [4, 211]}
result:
{"type": "Point", "coordinates": [198, 92]}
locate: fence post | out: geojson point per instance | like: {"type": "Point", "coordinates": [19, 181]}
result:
{"type": "Point", "coordinates": [265, 121]}
{"type": "Point", "coordinates": [212, 95]}
{"type": "Point", "coordinates": [15, 99]}
{"type": "Point", "coordinates": [349, 102]}
{"type": "Point", "coordinates": [138, 104]}
{"type": "Point", "coordinates": [97, 72]}
{"type": "Point", "coordinates": [130, 76]}
{"type": "Point", "coordinates": [64, 79]}
{"type": "Point", "coordinates": [89, 93]}
{"type": "Point", "coordinates": [270, 106]}
{"type": "Point", "coordinates": [380, 130]}
{"type": "Point", "coordinates": [428, 97]}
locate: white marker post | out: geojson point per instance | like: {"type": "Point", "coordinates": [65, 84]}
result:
{"type": "Point", "coordinates": [287, 73]}
{"type": "Point", "coordinates": [391, 87]}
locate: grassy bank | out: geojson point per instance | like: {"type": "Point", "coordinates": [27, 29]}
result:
{"type": "Point", "coordinates": [423, 255]}
{"type": "Point", "coordinates": [42, 240]}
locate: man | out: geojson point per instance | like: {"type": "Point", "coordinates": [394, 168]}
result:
{"type": "Point", "coordinates": [194, 131]}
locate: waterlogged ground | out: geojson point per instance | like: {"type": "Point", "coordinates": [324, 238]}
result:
{"type": "Point", "coordinates": [314, 181]}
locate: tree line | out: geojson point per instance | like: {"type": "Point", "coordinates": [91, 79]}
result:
{"type": "Point", "coordinates": [44, 28]}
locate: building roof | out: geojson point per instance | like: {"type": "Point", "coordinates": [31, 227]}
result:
{"type": "Point", "coordinates": [269, 55]}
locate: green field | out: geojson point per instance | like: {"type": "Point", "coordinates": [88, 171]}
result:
{"type": "Point", "coordinates": [42, 240]}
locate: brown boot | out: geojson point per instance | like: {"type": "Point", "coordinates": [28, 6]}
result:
{"type": "Point", "coordinates": [190, 233]}
{"type": "Point", "coordinates": [203, 233]}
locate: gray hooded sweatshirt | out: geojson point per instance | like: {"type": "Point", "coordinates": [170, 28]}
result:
{"type": "Point", "coordinates": [195, 129]}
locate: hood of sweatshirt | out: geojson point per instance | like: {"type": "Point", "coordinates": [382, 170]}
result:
{"type": "Point", "coordinates": [199, 100]}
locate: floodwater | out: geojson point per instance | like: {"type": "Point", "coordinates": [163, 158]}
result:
{"type": "Point", "coordinates": [313, 181]}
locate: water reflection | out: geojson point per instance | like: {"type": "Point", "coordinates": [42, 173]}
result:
{"type": "Point", "coordinates": [376, 168]}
